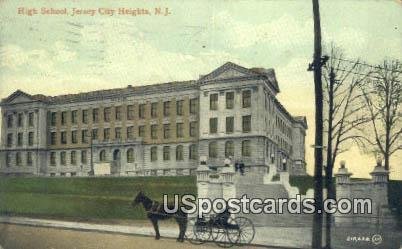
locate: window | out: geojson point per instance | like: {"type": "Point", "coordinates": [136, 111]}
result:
{"type": "Point", "coordinates": [20, 137]}
{"type": "Point", "coordinates": [63, 118]}
{"type": "Point", "coordinates": [166, 108]}
{"type": "Point", "coordinates": [53, 118]}
{"type": "Point", "coordinates": [74, 116]}
{"type": "Point", "coordinates": [166, 153]}
{"type": "Point", "coordinates": [213, 125]}
{"type": "Point", "coordinates": [31, 119]}
{"type": "Point", "coordinates": [179, 130]}
{"type": "Point", "coordinates": [20, 120]}
{"type": "Point", "coordinates": [229, 149]}
{"type": "Point", "coordinates": [246, 97]}
{"type": "Point", "coordinates": [18, 160]}
{"type": "Point", "coordinates": [53, 138]}
{"type": "Point", "coordinates": [30, 138]}
{"type": "Point", "coordinates": [63, 137]}
{"type": "Point", "coordinates": [179, 107]}
{"type": "Point", "coordinates": [84, 157]}
{"type": "Point", "coordinates": [166, 131]}
{"type": "Point", "coordinates": [246, 123]}
{"type": "Point", "coordinates": [106, 134]}
{"type": "Point", "coordinates": [141, 131]}
{"type": "Point", "coordinates": [130, 132]}
{"type": "Point", "coordinates": [179, 153]}
{"type": "Point", "coordinates": [85, 116]}
{"type": "Point", "coordinates": [229, 124]}
{"type": "Point", "coordinates": [9, 139]}
{"type": "Point", "coordinates": [213, 101]}
{"type": "Point", "coordinates": [8, 159]}
{"type": "Point", "coordinates": [10, 121]}
{"type": "Point", "coordinates": [229, 100]}
{"type": "Point", "coordinates": [130, 155]}
{"type": "Point", "coordinates": [193, 129]}
{"type": "Point", "coordinates": [63, 158]}
{"type": "Point", "coordinates": [117, 113]}
{"type": "Point", "coordinates": [245, 148]}
{"type": "Point", "coordinates": [53, 158]}
{"type": "Point", "coordinates": [106, 114]}
{"type": "Point", "coordinates": [117, 133]}
{"type": "Point", "coordinates": [154, 153]}
{"type": "Point", "coordinates": [102, 156]}
{"type": "Point", "coordinates": [193, 152]}
{"type": "Point", "coordinates": [154, 109]}
{"type": "Point", "coordinates": [213, 150]}
{"type": "Point", "coordinates": [130, 112]}
{"type": "Point", "coordinates": [95, 115]}
{"type": "Point", "coordinates": [95, 134]}
{"type": "Point", "coordinates": [73, 158]}
{"type": "Point", "coordinates": [193, 105]}
{"type": "Point", "coordinates": [74, 137]}
{"type": "Point", "coordinates": [141, 110]}
{"type": "Point", "coordinates": [84, 136]}
{"type": "Point", "coordinates": [29, 158]}
{"type": "Point", "coordinates": [154, 131]}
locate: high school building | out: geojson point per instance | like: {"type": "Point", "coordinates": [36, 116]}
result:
{"type": "Point", "coordinates": [159, 129]}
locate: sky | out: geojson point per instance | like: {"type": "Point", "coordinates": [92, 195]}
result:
{"type": "Point", "coordinates": [59, 54]}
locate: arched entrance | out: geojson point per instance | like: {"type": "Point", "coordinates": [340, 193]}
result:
{"type": "Point", "coordinates": [116, 155]}
{"type": "Point", "coordinates": [115, 169]}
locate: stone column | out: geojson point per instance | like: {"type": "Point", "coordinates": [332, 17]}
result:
{"type": "Point", "coordinates": [202, 174]}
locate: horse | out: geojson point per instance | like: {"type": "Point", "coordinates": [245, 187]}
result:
{"type": "Point", "coordinates": [155, 212]}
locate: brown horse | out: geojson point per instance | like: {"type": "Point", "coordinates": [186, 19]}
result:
{"type": "Point", "coordinates": [155, 212]}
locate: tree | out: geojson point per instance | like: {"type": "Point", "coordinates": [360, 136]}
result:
{"type": "Point", "coordinates": [343, 112]}
{"type": "Point", "coordinates": [382, 96]}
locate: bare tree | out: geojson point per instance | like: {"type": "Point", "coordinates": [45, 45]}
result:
{"type": "Point", "coordinates": [382, 96]}
{"type": "Point", "coordinates": [343, 114]}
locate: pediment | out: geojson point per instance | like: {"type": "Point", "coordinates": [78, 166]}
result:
{"type": "Point", "coordinates": [18, 97]}
{"type": "Point", "coordinates": [227, 71]}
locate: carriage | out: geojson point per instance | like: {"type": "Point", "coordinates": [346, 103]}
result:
{"type": "Point", "coordinates": [223, 230]}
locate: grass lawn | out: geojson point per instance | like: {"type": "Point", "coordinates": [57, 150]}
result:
{"type": "Point", "coordinates": [86, 198]}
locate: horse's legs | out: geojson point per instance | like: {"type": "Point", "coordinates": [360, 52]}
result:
{"type": "Point", "coordinates": [156, 228]}
{"type": "Point", "coordinates": [182, 222]}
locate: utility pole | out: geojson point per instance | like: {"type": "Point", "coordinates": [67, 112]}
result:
{"type": "Point", "coordinates": [316, 67]}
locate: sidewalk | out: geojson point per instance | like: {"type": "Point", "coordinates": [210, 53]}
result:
{"type": "Point", "coordinates": [265, 236]}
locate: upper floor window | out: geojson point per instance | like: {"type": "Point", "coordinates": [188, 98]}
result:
{"type": "Point", "coordinates": [106, 114]}
{"type": "Point", "coordinates": [193, 106]}
{"type": "Point", "coordinates": [84, 136]}
{"type": "Point", "coordinates": [141, 111]}
{"type": "Point", "coordinates": [117, 112]}
{"type": "Point", "coordinates": [166, 108]}
{"type": "Point", "coordinates": [9, 139]}
{"type": "Point", "coordinates": [85, 116]}
{"type": "Point", "coordinates": [193, 152]}
{"type": "Point", "coordinates": [166, 153]}
{"type": "Point", "coordinates": [213, 101]}
{"type": "Point", "coordinates": [31, 119]}
{"type": "Point", "coordinates": [213, 149]}
{"type": "Point", "coordinates": [130, 132]}
{"type": "Point", "coordinates": [10, 121]}
{"type": "Point", "coordinates": [229, 100]}
{"type": "Point", "coordinates": [106, 134]}
{"type": "Point", "coordinates": [63, 158]}
{"type": "Point", "coordinates": [179, 107]}
{"type": "Point", "coordinates": [63, 137]}
{"type": "Point", "coordinates": [154, 131]}
{"type": "Point", "coordinates": [166, 131]}
{"type": "Point", "coordinates": [74, 115]}
{"type": "Point", "coordinates": [213, 125]}
{"type": "Point", "coordinates": [74, 137]}
{"type": "Point", "coordinates": [130, 112]}
{"type": "Point", "coordinates": [130, 155]}
{"type": "Point", "coordinates": [193, 128]}
{"type": "Point", "coordinates": [154, 109]}
{"type": "Point", "coordinates": [179, 153]}
{"type": "Point", "coordinates": [141, 131]}
{"type": "Point", "coordinates": [20, 137]}
{"type": "Point", "coordinates": [117, 133]}
{"type": "Point", "coordinates": [246, 123]}
{"type": "Point", "coordinates": [30, 138]}
{"type": "Point", "coordinates": [52, 158]}
{"type": "Point", "coordinates": [154, 153]}
{"type": "Point", "coordinates": [246, 148]}
{"type": "Point", "coordinates": [229, 124]}
{"type": "Point", "coordinates": [246, 97]}
{"type": "Point", "coordinates": [63, 118]}
{"type": "Point", "coordinates": [179, 130]}
{"type": "Point", "coordinates": [95, 134]}
{"type": "Point", "coordinates": [53, 118]}
{"type": "Point", "coordinates": [95, 115]}
{"type": "Point", "coordinates": [20, 119]}
{"type": "Point", "coordinates": [53, 137]}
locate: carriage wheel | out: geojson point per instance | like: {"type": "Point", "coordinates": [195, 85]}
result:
{"type": "Point", "coordinates": [195, 233]}
{"type": "Point", "coordinates": [223, 233]}
{"type": "Point", "coordinates": [246, 230]}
